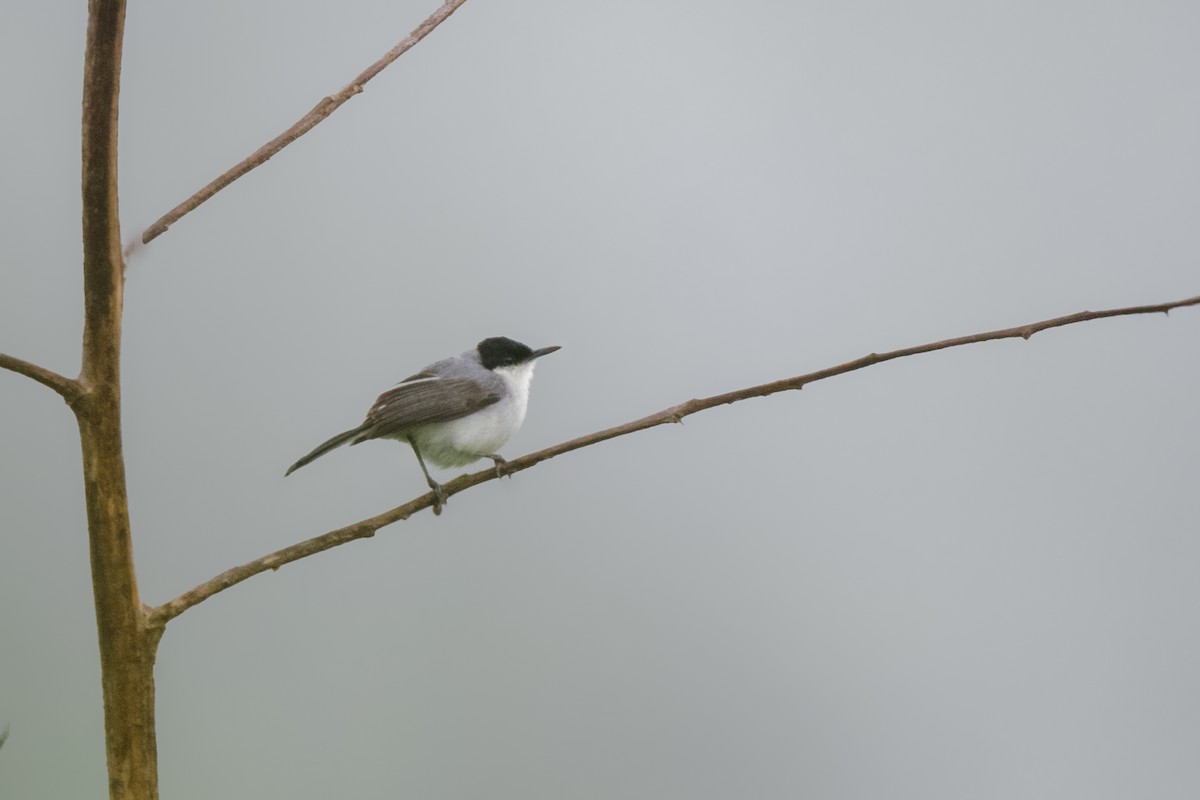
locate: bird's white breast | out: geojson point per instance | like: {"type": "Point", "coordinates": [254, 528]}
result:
{"type": "Point", "coordinates": [461, 441]}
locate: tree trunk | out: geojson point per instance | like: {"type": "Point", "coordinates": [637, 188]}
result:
{"type": "Point", "coordinates": [127, 642]}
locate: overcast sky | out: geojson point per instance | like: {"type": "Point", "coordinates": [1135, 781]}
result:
{"type": "Point", "coordinates": [971, 574]}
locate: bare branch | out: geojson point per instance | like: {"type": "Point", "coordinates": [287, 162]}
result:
{"type": "Point", "coordinates": [126, 648]}
{"type": "Point", "coordinates": [71, 390]}
{"type": "Point", "coordinates": [366, 528]}
{"type": "Point", "coordinates": [306, 123]}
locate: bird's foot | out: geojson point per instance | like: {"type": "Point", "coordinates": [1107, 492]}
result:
{"type": "Point", "coordinates": [501, 465]}
{"type": "Point", "coordinates": [439, 497]}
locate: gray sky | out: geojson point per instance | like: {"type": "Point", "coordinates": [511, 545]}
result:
{"type": "Point", "coordinates": [970, 574]}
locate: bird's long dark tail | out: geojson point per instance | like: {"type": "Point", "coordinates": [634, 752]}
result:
{"type": "Point", "coordinates": [325, 447]}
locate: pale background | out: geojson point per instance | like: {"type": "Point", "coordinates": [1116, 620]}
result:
{"type": "Point", "coordinates": [966, 575]}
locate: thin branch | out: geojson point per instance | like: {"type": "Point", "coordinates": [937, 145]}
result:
{"type": "Point", "coordinates": [306, 123]}
{"type": "Point", "coordinates": [71, 390]}
{"type": "Point", "coordinates": [367, 527]}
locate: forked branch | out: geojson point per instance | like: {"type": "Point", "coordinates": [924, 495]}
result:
{"type": "Point", "coordinates": [367, 527]}
{"type": "Point", "coordinates": [302, 126]}
{"type": "Point", "coordinates": [70, 389]}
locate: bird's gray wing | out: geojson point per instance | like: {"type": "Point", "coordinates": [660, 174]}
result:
{"type": "Point", "coordinates": [421, 400]}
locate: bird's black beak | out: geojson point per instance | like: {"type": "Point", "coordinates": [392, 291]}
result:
{"type": "Point", "coordinates": [545, 351]}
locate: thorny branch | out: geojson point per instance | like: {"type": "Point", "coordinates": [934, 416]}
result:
{"type": "Point", "coordinates": [366, 528]}
{"type": "Point", "coordinates": [302, 126]}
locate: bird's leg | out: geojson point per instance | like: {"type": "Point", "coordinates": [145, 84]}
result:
{"type": "Point", "coordinates": [439, 493]}
{"type": "Point", "coordinates": [501, 464]}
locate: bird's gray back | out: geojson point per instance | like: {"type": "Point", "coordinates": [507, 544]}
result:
{"type": "Point", "coordinates": [443, 391]}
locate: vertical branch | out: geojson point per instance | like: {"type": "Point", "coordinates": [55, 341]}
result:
{"type": "Point", "coordinates": [127, 646]}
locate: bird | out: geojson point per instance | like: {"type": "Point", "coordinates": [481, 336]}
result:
{"type": "Point", "coordinates": [454, 411]}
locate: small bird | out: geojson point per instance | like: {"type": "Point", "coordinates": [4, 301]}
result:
{"type": "Point", "coordinates": [454, 411]}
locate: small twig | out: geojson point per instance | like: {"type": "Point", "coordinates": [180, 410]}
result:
{"type": "Point", "coordinates": [306, 123]}
{"type": "Point", "coordinates": [366, 528]}
{"type": "Point", "coordinates": [71, 390]}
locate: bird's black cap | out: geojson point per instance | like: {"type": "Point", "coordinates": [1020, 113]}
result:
{"type": "Point", "coordinates": [500, 351]}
